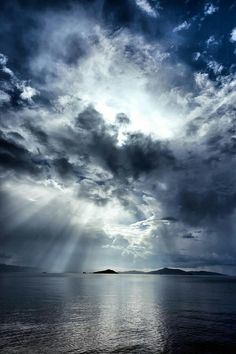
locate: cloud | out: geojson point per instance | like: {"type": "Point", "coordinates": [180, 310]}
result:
{"type": "Point", "coordinates": [13, 90]}
{"type": "Point", "coordinates": [233, 35]}
{"type": "Point", "coordinates": [188, 236]}
{"type": "Point", "coordinates": [169, 219]}
{"type": "Point", "coordinates": [215, 67]}
{"type": "Point", "coordinates": [196, 56]}
{"type": "Point", "coordinates": [182, 27]}
{"type": "Point", "coordinates": [122, 119]}
{"type": "Point", "coordinates": [15, 158]}
{"type": "Point", "coordinates": [210, 9]}
{"type": "Point", "coordinates": [27, 93]}
{"type": "Point", "coordinates": [212, 41]}
{"type": "Point", "coordinates": [4, 98]}
{"type": "Point", "coordinates": [147, 8]}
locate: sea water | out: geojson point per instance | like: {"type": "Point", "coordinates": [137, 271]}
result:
{"type": "Point", "coordinates": [117, 314]}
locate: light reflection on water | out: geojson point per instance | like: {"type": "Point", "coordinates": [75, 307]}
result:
{"type": "Point", "coordinates": [117, 314]}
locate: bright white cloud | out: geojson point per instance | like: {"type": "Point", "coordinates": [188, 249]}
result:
{"type": "Point", "coordinates": [233, 35]}
{"type": "Point", "coordinates": [146, 7]}
{"type": "Point", "coordinates": [27, 93]}
{"type": "Point", "coordinates": [212, 97]}
{"type": "Point", "coordinates": [114, 77]}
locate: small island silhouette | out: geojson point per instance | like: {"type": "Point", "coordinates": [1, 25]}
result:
{"type": "Point", "coordinates": [106, 271]}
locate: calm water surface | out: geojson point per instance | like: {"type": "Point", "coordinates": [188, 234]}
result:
{"type": "Point", "coordinates": [117, 314]}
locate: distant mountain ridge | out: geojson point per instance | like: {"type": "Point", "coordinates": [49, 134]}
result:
{"type": "Point", "coordinates": [173, 271]}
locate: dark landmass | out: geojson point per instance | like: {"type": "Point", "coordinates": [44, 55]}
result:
{"type": "Point", "coordinates": [172, 271]}
{"type": "Point", "coordinates": [107, 271]}
{"type": "Point", "coordinates": [163, 271]}
{"type": "Point", "coordinates": [168, 271]}
{"type": "Point", "coordinates": [5, 268]}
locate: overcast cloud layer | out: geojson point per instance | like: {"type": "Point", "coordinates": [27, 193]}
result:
{"type": "Point", "coordinates": [118, 134]}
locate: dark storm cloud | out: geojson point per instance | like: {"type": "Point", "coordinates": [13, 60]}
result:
{"type": "Point", "coordinates": [145, 155]}
{"type": "Point", "coordinates": [16, 136]}
{"type": "Point", "coordinates": [200, 261]}
{"type": "Point", "coordinates": [97, 141]}
{"type": "Point", "coordinates": [203, 190]}
{"type": "Point", "coordinates": [188, 236]}
{"type": "Point", "coordinates": [169, 218]}
{"type": "Point", "coordinates": [16, 158]}
{"type": "Point", "coordinates": [63, 167]}
{"type": "Point", "coordinates": [90, 142]}
{"type": "Point", "coordinates": [213, 203]}
{"type": "Point", "coordinates": [93, 143]}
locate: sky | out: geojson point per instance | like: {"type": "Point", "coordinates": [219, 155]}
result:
{"type": "Point", "coordinates": [118, 134]}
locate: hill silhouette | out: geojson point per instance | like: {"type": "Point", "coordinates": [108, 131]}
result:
{"type": "Point", "coordinates": [173, 271]}
{"type": "Point", "coordinates": [106, 271]}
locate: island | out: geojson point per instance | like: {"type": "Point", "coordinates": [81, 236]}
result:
{"type": "Point", "coordinates": [106, 271]}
